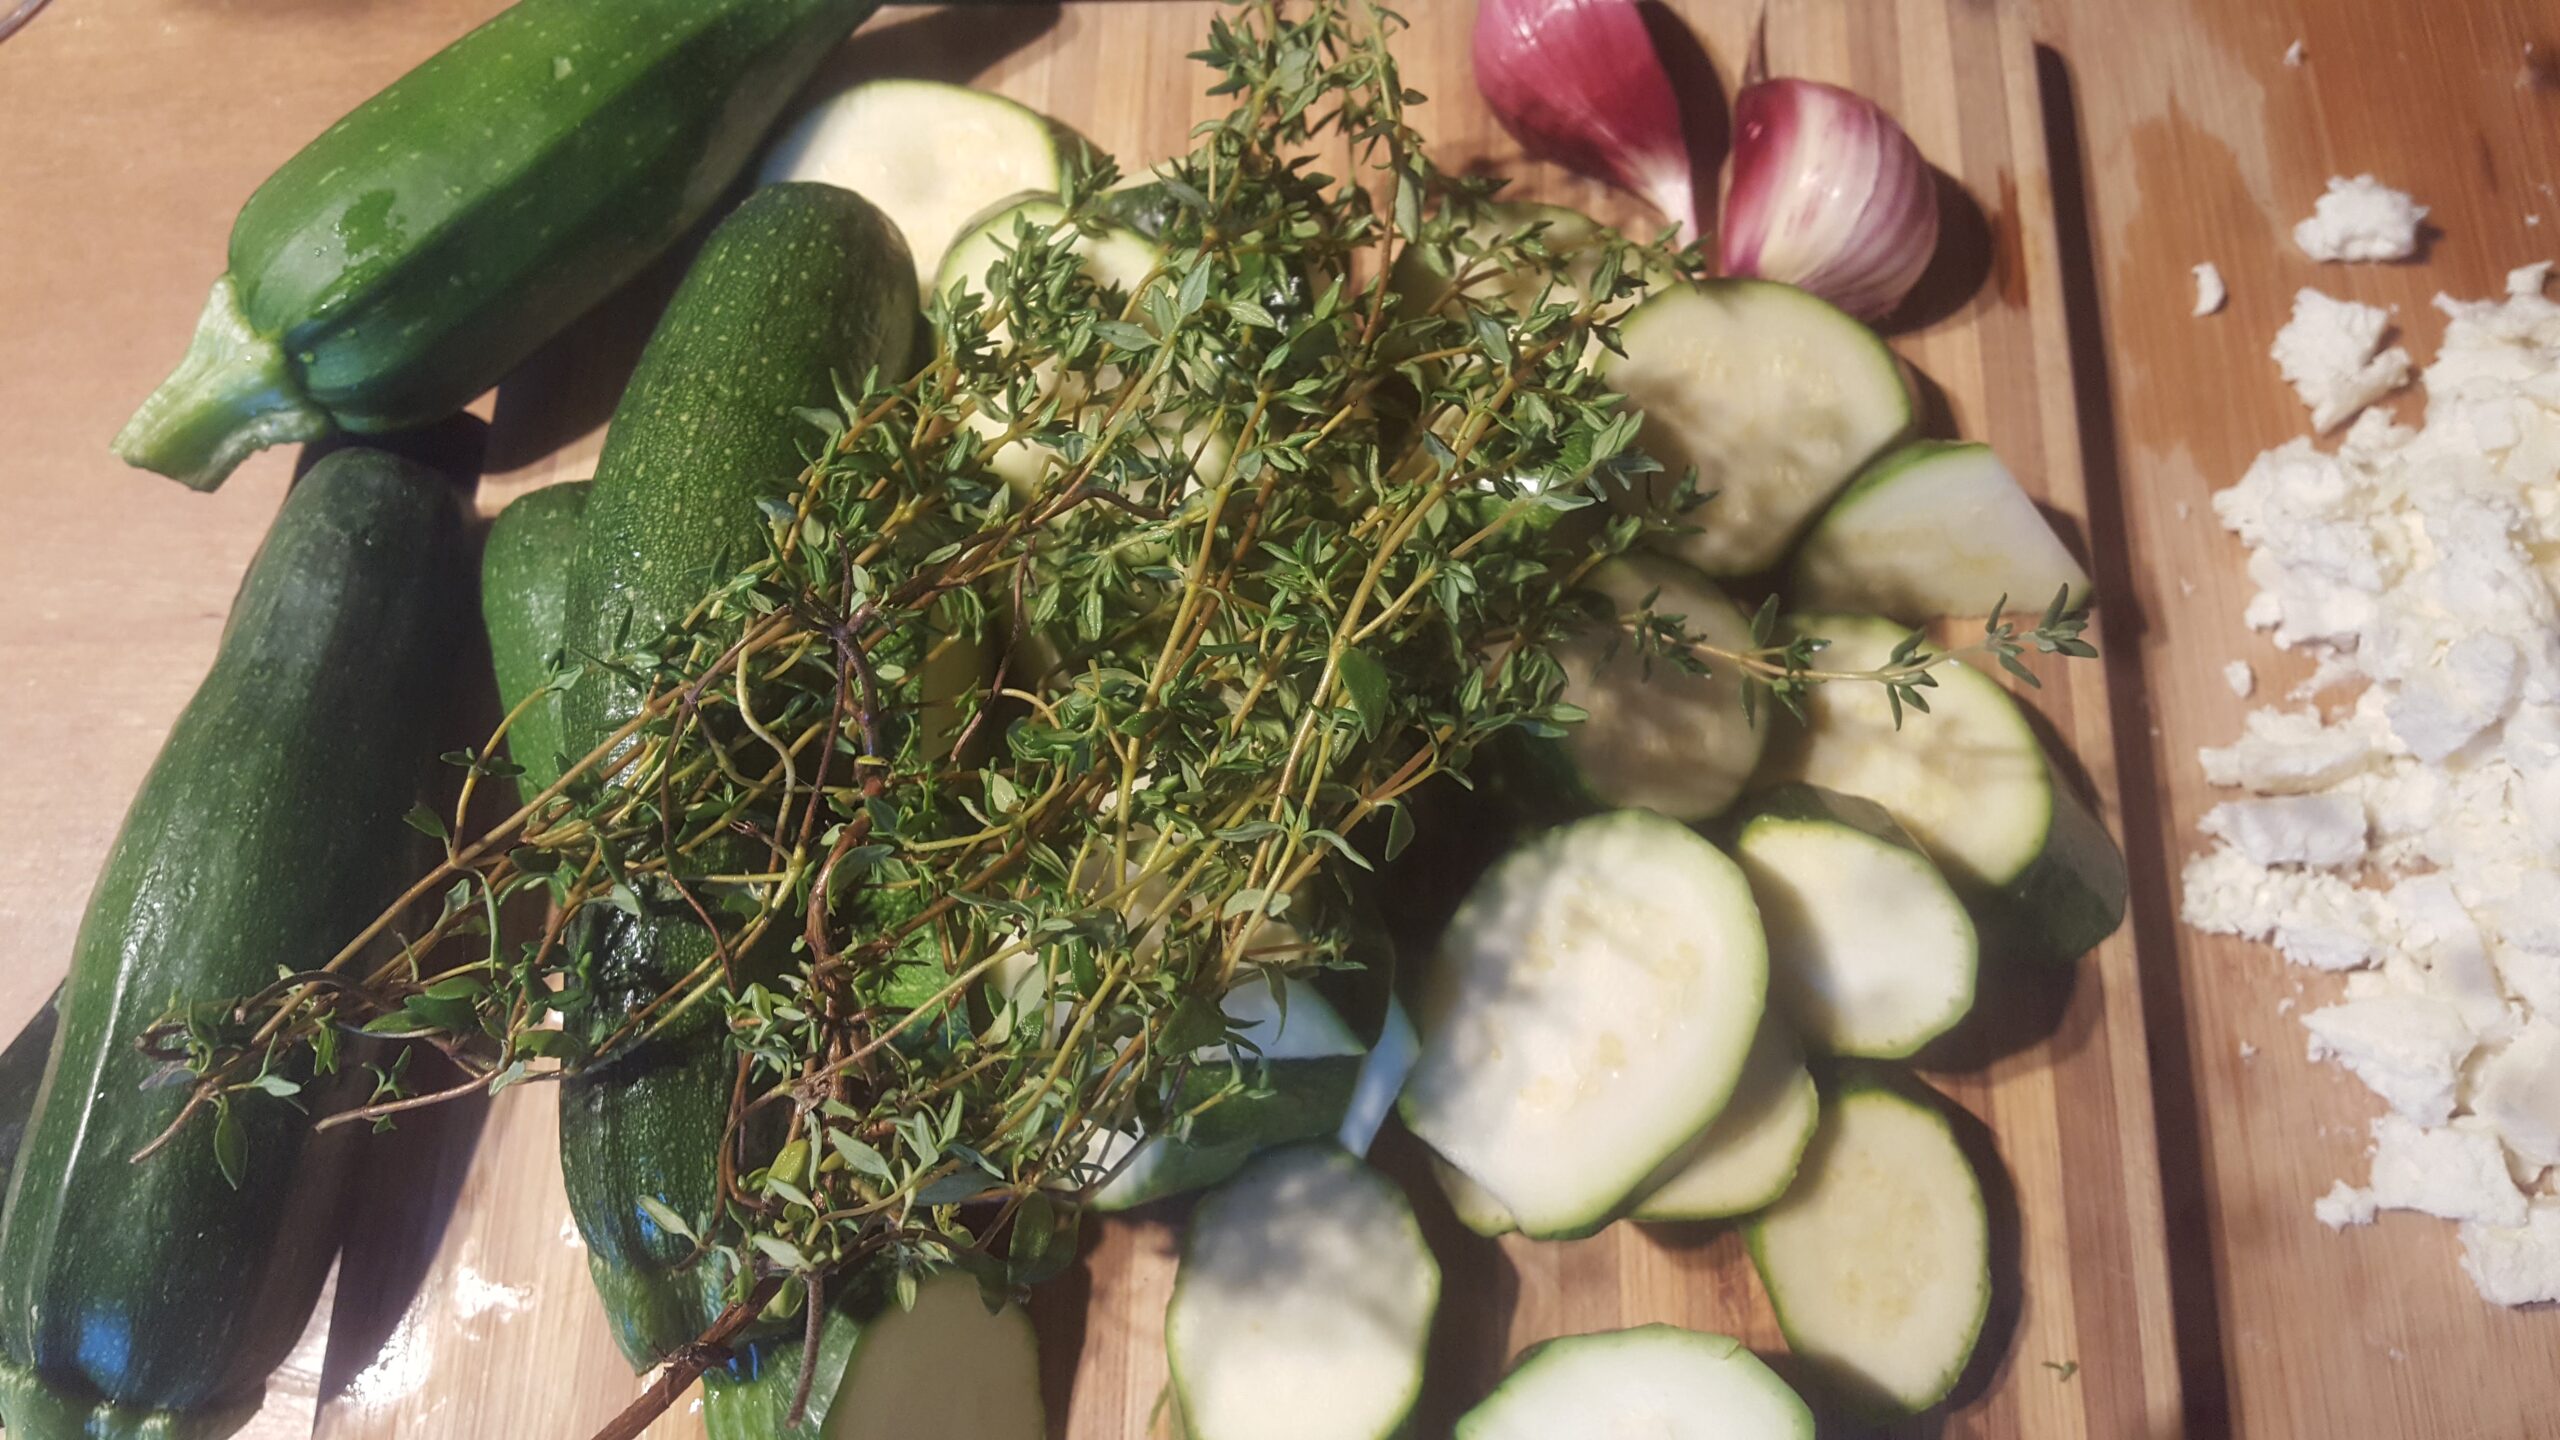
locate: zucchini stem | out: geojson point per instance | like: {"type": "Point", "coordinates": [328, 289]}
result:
{"type": "Point", "coordinates": [233, 395]}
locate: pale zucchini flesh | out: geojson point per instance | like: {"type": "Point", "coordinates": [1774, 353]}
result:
{"type": "Point", "coordinates": [1871, 951]}
{"type": "Point", "coordinates": [1302, 1305]}
{"type": "Point", "coordinates": [1970, 781]}
{"type": "Point", "coordinates": [1588, 1013]}
{"type": "Point", "coordinates": [1774, 397]}
{"type": "Point", "coordinates": [1878, 1259]}
{"type": "Point", "coordinates": [1655, 1382]}
{"type": "Point", "coordinates": [1931, 530]}
{"type": "Point", "coordinates": [947, 1369]}
{"type": "Point", "coordinates": [1967, 778]}
{"type": "Point", "coordinates": [929, 154]}
{"type": "Point", "coordinates": [1474, 1206]}
{"type": "Point", "coordinates": [1656, 736]}
{"type": "Point", "coordinates": [1745, 1159]}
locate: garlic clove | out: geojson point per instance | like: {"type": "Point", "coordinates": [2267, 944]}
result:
{"type": "Point", "coordinates": [1580, 83]}
{"type": "Point", "coordinates": [1825, 192]}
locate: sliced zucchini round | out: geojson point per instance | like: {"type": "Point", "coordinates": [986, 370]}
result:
{"type": "Point", "coordinates": [1745, 1159]}
{"type": "Point", "coordinates": [1587, 1015]}
{"type": "Point", "coordinates": [930, 155]}
{"type": "Point", "coordinates": [1871, 952]}
{"type": "Point", "coordinates": [1878, 1260]}
{"type": "Point", "coordinates": [1931, 530]}
{"type": "Point", "coordinates": [1775, 397]}
{"type": "Point", "coordinates": [1656, 736]}
{"type": "Point", "coordinates": [1474, 1206]}
{"type": "Point", "coordinates": [1302, 1305]}
{"type": "Point", "coordinates": [1655, 1382]}
{"type": "Point", "coordinates": [1969, 780]}
{"type": "Point", "coordinates": [946, 1369]}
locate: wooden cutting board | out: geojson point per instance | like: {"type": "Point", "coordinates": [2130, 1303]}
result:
{"type": "Point", "coordinates": [2200, 142]}
{"type": "Point", "coordinates": [464, 1310]}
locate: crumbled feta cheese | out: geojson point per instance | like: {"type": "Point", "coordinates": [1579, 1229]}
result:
{"type": "Point", "coordinates": [2456, 1172]}
{"type": "Point", "coordinates": [2294, 55]}
{"type": "Point", "coordinates": [2242, 679]}
{"type": "Point", "coordinates": [2361, 219]}
{"type": "Point", "coordinates": [2315, 917]}
{"type": "Point", "coordinates": [2518, 1091]}
{"type": "Point", "coordinates": [2406, 1046]}
{"type": "Point", "coordinates": [2290, 752]}
{"type": "Point", "coordinates": [2210, 291]}
{"type": "Point", "coordinates": [2343, 1206]}
{"type": "Point", "coordinates": [2412, 840]}
{"type": "Point", "coordinates": [2248, 1052]}
{"type": "Point", "coordinates": [2326, 352]}
{"type": "Point", "coordinates": [2516, 1265]}
{"type": "Point", "coordinates": [2319, 830]}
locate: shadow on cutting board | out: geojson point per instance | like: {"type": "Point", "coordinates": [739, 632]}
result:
{"type": "Point", "coordinates": [2152, 909]}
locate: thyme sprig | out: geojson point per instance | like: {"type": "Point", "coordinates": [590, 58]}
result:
{"type": "Point", "coordinates": [1084, 678]}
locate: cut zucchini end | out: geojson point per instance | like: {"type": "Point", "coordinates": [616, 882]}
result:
{"type": "Point", "coordinates": [33, 1407]}
{"type": "Point", "coordinates": [1871, 951]}
{"type": "Point", "coordinates": [1935, 529]}
{"type": "Point", "coordinates": [1654, 736]}
{"type": "Point", "coordinates": [1475, 1206]}
{"type": "Point", "coordinates": [1653, 1381]}
{"type": "Point", "coordinates": [929, 153]}
{"type": "Point", "coordinates": [1774, 396]}
{"type": "Point", "coordinates": [1587, 1015]}
{"type": "Point", "coordinates": [1303, 1304]}
{"type": "Point", "coordinates": [1878, 1259]}
{"type": "Point", "coordinates": [233, 395]}
{"type": "Point", "coordinates": [1746, 1159]}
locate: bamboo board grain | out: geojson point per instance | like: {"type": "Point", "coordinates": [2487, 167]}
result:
{"type": "Point", "coordinates": [474, 1317]}
{"type": "Point", "coordinates": [2201, 143]}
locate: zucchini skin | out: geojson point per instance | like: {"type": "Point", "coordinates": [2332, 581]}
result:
{"type": "Point", "coordinates": [801, 283]}
{"type": "Point", "coordinates": [154, 1299]}
{"type": "Point", "coordinates": [524, 606]}
{"type": "Point", "coordinates": [21, 1071]}
{"type": "Point", "coordinates": [419, 248]}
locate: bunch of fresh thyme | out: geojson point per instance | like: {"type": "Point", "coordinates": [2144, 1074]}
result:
{"type": "Point", "coordinates": [1226, 562]}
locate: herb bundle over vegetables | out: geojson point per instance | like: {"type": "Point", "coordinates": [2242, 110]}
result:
{"type": "Point", "coordinates": [1305, 533]}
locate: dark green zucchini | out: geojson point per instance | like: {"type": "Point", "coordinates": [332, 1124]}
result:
{"type": "Point", "coordinates": [409, 257]}
{"type": "Point", "coordinates": [153, 1299]}
{"type": "Point", "coordinates": [21, 1071]}
{"type": "Point", "coordinates": [524, 605]}
{"type": "Point", "coordinates": [803, 283]}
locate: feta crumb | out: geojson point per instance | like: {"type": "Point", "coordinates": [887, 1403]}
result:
{"type": "Point", "coordinates": [2343, 1206]}
{"type": "Point", "coordinates": [2361, 219]}
{"type": "Point", "coordinates": [2516, 1265]}
{"type": "Point", "coordinates": [2240, 678]}
{"type": "Point", "coordinates": [2454, 1172]}
{"type": "Point", "coordinates": [2420, 566]}
{"type": "Point", "coordinates": [2290, 752]}
{"type": "Point", "coordinates": [2248, 1052]}
{"type": "Point", "coordinates": [2294, 54]}
{"type": "Point", "coordinates": [2326, 352]}
{"type": "Point", "coordinates": [2314, 917]}
{"type": "Point", "coordinates": [2210, 291]}
{"type": "Point", "coordinates": [2407, 1047]}
{"type": "Point", "coordinates": [2325, 831]}
{"type": "Point", "coordinates": [2518, 1091]}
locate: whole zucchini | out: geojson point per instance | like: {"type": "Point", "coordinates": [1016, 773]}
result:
{"type": "Point", "coordinates": [153, 1299]}
{"type": "Point", "coordinates": [409, 257]}
{"type": "Point", "coordinates": [524, 605]}
{"type": "Point", "coordinates": [802, 284]}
